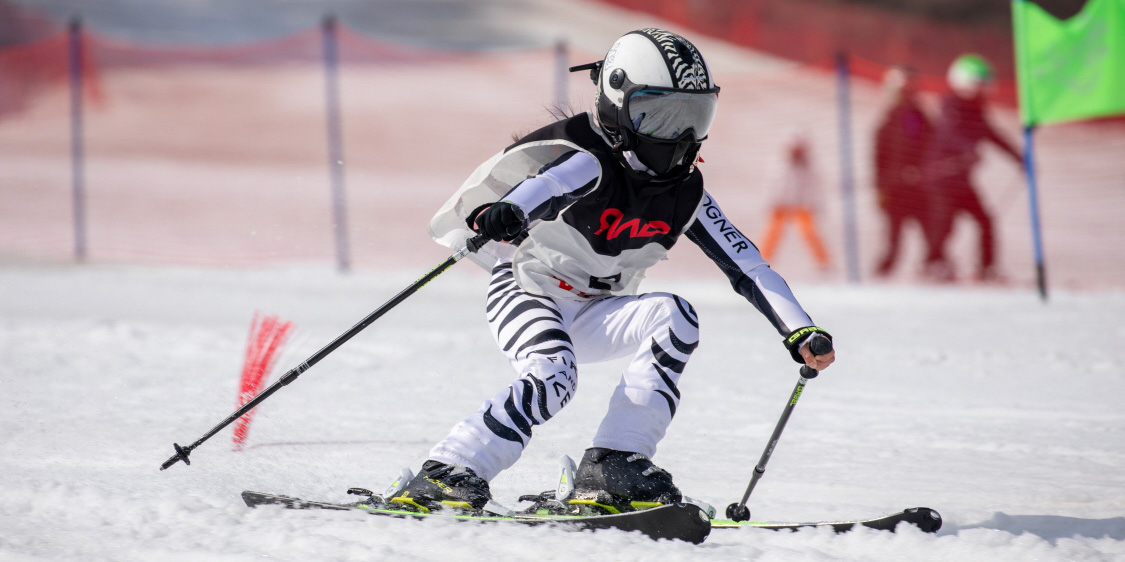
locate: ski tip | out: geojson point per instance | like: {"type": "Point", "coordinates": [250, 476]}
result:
{"type": "Point", "coordinates": [255, 499]}
{"type": "Point", "coordinates": [926, 519]}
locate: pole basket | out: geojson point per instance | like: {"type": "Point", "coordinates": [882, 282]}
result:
{"type": "Point", "coordinates": [268, 335]}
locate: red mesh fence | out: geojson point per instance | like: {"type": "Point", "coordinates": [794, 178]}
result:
{"type": "Point", "coordinates": [31, 68]}
{"type": "Point", "coordinates": [218, 156]}
{"type": "Point", "coordinates": [808, 31]}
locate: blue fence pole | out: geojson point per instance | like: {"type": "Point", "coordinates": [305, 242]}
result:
{"type": "Point", "coordinates": [1033, 203]}
{"type": "Point", "coordinates": [847, 173]}
{"type": "Point", "coordinates": [562, 74]}
{"type": "Point", "coordinates": [77, 148]}
{"type": "Point", "coordinates": [335, 143]}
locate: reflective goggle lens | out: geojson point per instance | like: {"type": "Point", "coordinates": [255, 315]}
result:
{"type": "Point", "coordinates": [667, 115]}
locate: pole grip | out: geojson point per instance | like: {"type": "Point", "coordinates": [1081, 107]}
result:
{"type": "Point", "coordinates": [475, 243]}
{"type": "Point", "coordinates": [818, 345]}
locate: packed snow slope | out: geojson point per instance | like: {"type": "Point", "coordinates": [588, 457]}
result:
{"type": "Point", "coordinates": [999, 411]}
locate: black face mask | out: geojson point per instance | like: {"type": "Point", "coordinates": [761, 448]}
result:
{"type": "Point", "coordinates": [662, 156]}
{"type": "Point", "coordinates": [648, 185]}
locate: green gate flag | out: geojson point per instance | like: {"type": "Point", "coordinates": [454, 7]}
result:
{"type": "Point", "coordinates": [1073, 69]}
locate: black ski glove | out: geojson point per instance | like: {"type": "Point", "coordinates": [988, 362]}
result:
{"type": "Point", "coordinates": [500, 221]}
{"type": "Point", "coordinates": [797, 338]}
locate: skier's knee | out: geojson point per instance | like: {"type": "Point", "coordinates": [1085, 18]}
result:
{"type": "Point", "coordinates": [548, 385]}
{"type": "Point", "coordinates": [681, 320]}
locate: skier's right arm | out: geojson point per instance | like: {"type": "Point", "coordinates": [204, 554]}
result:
{"type": "Point", "coordinates": [541, 196]}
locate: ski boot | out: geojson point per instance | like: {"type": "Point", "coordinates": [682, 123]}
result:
{"type": "Point", "coordinates": [440, 485]}
{"type": "Point", "coordinates": [616, 481]}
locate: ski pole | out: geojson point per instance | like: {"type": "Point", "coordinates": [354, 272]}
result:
{"type": "Point", "coordinates": [818, 345]}
{"type": "Point", "coordinates": [472, 245]}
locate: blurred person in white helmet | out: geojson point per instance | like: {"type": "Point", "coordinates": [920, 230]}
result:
{"type": "Point", "coordinates": [575, 212]}
{"type": "Point", "coordinates": [960, 128]}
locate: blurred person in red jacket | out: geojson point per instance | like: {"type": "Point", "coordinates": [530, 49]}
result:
{"type": "Point", "coordinates": [951, 159]}
{"type": "Point", "coordinates": [900, 145]}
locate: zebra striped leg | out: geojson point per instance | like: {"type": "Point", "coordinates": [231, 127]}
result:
{"type": "Point", "coordinates": [532, 332]}
{"type": "Point", "coordinates": [644, 402]}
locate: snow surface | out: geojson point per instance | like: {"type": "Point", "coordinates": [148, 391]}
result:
{"type": "Point", "coordinates": [999, 411]}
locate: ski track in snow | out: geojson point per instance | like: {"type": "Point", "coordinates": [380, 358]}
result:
{"type": "Point", "coordinates": [999, 411]}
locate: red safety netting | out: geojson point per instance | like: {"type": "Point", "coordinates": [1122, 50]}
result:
{"type": "Point", "coordinates": [218, 156]}
{"type": "Point", "coordinates": [811, 32]}
{"type": "Point", "coordinates": [305, 47]}
{"type": "Point", "coordinates": [30, 68]}
{"type": "Point", "coordinates": [922, 202]}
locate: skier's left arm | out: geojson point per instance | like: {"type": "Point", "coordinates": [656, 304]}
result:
{"type": "Point", "coordinates": [753, 278]}
{"type": "Point", "coordinates": [992, 135]}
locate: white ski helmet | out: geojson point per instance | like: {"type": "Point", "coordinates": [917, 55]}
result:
{"type": "Point", "coordinates": [969, 74]}
{"type": "Point", "coordinates": [657, 98]}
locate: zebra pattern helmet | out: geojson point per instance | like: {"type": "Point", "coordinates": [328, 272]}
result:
{"type": "Point", "coordinates": [656, 98]}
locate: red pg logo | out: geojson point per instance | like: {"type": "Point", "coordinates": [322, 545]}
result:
{"type": "Point", "coordinates": [612, 225]}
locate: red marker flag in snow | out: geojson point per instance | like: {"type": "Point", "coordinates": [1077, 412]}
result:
{"type": "Point", "coordinates": [267, 336]}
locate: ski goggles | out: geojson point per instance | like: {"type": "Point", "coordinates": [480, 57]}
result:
{"type": "Point", "coordinates": [661, 113]}
{"type": "Point", "coordinates": [669, 114]}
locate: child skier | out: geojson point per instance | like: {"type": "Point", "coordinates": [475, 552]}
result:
{"type": "Point", "coordinates": [576, 212]}
{"type": "Point", "coordinates": [797, 201]}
